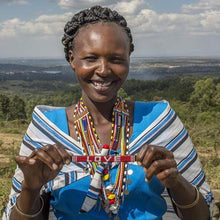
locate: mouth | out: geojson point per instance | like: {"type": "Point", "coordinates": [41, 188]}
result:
{"type": "Point", "coordinates": [101, 83]}
{"type": "Point", "coordinates": [101, 86]}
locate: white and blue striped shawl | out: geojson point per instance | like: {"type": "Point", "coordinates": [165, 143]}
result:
{"type": "Point", "coordinates": [166, 130]}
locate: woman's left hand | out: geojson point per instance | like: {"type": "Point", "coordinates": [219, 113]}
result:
{"type": "Point", "coordinates": [160, 162]}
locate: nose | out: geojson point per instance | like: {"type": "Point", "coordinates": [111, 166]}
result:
{"type": "Point", "coordinates": [103, 68]}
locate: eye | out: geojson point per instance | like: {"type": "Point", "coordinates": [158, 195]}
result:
{"type": "Point", "coordinates": [90, 58]}
{"type": "Point", "coordinates": [117, 60]}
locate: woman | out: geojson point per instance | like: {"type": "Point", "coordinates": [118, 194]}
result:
{"type": "Point", "coordinates": [98, 45]}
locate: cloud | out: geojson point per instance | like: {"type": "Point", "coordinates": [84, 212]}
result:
{"type": "Point", "coordinates": [201, 6]}
{"type": "Point", "coordinates": [194, 29]}
{"type": "Point", "coordinates": [148, 22]}
{"type": "Point", "coordinates": [210, 21]}
{"type": "Point", "coordinates": [79, 4]}
{"type": "Point", "coordinates": [9, 27]}
{"type": "Point", "coordinates": [43, 26]}
{"type": "Point", "coordinates": [54, 18]}
{"type": "Point", "coordinates": [129, 7]}
{"type": "Point", "coordinates": [201, 17]}
{"type": "Point", "coordinates": [15, 2]}
{"type": "Point", "coordinates": [141, 20]}
{"type": "Point", "coordinates": [18, 2]}
{"type": "Point", "coordinates": [125, 6]}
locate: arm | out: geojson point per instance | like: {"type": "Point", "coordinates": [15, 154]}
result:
{"type": "Point", "coordinates": [30, 202]}
{"type": "Point", "coordinates": [160, 162]}
{"type": "Point", "coordinates": [39, 168]}
{"type": "Point", "coordinates": [184, 193]}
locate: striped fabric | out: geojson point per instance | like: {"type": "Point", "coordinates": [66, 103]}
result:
{"type": "Point", "coordinates": [95, 186]}
{"type": "Point", "coordinates": [166, 130]}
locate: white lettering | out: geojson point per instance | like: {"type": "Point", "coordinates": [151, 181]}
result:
{"type": "Point", "coordinates": [117, 159]}
{"type": "Point", "coordinates": [97, 159]}
{"type": "Point", "coordinates": [107, 158]}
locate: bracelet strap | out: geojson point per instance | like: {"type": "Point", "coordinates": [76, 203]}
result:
{"type": "Point", "coordinates": [27, 215]}
{"type": "Point", "coordinates": [194, 203]}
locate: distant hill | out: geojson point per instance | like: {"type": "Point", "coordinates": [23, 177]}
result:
{"type": "Point", "coordinates": [141, 68]}
{"type": "Point", "coordinates": [29, 72]}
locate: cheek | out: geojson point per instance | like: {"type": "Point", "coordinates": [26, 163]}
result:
{"type": "Point", "coordinates": [87, 66]}
{"type": "Point", "coordinates": [122, 72]}
{"type": "Point", "coordinates": [83, 69]}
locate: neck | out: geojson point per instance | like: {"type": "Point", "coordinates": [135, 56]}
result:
{"type": "Point", "coordinates": [100, 111]}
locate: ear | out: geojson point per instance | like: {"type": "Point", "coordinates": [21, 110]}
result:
{"type": "Point", "coordinates": [71, 59]}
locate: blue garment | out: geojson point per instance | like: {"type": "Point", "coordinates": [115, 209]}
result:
{"type": "Point", "coordinates": [144, 200]}
{"type": "Point", "coordinates": [154, 123]}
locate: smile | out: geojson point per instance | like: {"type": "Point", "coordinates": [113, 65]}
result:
{"type": "Point", "coordinates": [101, 83]}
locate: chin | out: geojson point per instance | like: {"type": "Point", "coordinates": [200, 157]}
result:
{"type": "Point", "coordinates": [104, 99]}
{"type": "Point", "coordinates": [101, 98]}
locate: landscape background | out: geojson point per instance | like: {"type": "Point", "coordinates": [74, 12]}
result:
{"type": "Point", "coordinates": [190, 84]}
{"type": "Point", "coordinates": [181, 40]}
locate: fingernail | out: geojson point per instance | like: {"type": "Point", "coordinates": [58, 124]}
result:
{"type": "Point", "coordinates": [139, 163]}
{"type": "Point", "coordinates": [67, 162]}
{"type": "Point", "coordinates": [147, 180]}
{"type": "Point", "coordinates": [32, 160]}
{"type": "Point", "coordinates": [54, 166]}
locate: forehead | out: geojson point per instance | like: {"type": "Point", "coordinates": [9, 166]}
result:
{"type": "Point", "coordinates": [105, 35]}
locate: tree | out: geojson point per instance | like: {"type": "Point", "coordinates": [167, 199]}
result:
{"type": "Point", "coordinates": [4, 106]}
{"type": "Point", "coordinates": [204, 93]}
{"type": "Point", "coordinates": [17, 108]}
{"type": "Point", "coordinates": [122, 93]}
{"type": "Point", "coordinates": [217, 95]}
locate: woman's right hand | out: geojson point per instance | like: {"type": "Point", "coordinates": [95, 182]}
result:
{"type": "Point", "coordinates": [42, 165]}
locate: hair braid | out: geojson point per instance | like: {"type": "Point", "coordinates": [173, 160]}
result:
{"type": "Point", "coordinates": [89, 16]}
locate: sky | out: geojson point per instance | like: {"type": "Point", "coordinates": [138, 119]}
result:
{"type": "Point", "coordinates": [160, 28]}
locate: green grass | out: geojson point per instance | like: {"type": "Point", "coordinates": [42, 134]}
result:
{"type": "Point", "coordinates": [6, 172]}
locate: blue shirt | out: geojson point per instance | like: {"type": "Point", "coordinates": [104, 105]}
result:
{"type": "Point", "coordinates": [144, 200]}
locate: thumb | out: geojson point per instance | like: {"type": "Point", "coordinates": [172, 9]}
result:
{"type": "Point", "coordinates": [24, 160]}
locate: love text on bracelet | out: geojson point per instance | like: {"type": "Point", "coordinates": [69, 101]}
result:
{"type": "Point", "coordinates": [108, 158]}
{"type": "Point", "coordinates": [33, 215]}
{"type": "Point", "coordinates": [194, 203]}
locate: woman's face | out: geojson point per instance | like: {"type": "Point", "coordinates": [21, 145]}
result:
{"type": "Point", "coordinates": [100, 60]}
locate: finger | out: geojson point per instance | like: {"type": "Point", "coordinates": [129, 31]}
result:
{"type": "Point", "coordinates": [54, 154]}
{"type": "Point", "coordinates": [44, 157]}
{"type": "Point", "coordinates": [66, 157]}
{"type": "Point", "coordinates": [23, 160]}
{"type": "Point", "coordinates": [140, 155]}
{"type": "Point", "coordinates": [168, 173]}
{"type": "Point", "coordinates": [155, 153]}
{"type": "Point", "coordinates": [148, 159]}
{"type": "Point", "coordinates": [59, 155]}
{"type": "Point", "coordinates": [158, 166]}
{"type": "Point", "coordinates": [143, 156]}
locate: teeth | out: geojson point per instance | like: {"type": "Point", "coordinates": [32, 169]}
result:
{"type": "Point", "coordinates": [101, 84]}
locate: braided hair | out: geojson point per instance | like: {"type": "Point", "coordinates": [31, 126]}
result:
{"type": "Point", "coordinates": [89, 16]}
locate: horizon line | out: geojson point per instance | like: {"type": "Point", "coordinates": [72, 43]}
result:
{"type": "Point", "coordinates": [134, 57]}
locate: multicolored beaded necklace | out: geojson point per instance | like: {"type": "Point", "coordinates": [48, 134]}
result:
{"type": "Point", "coordinates": [111, 193]}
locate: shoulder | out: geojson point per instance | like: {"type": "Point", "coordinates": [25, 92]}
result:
{"type": "Point", "coordinates": [142, 109]}
{"type": "Point", "coordinates": [51, 114]}
{"type": "Point", "coordinates": [149, 114]}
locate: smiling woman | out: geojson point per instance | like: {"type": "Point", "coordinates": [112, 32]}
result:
{"type": "Point", "coordinates": [105, 157]}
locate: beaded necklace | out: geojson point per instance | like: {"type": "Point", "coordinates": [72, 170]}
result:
{"type": "Point", "coordinates": [111, 193]}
